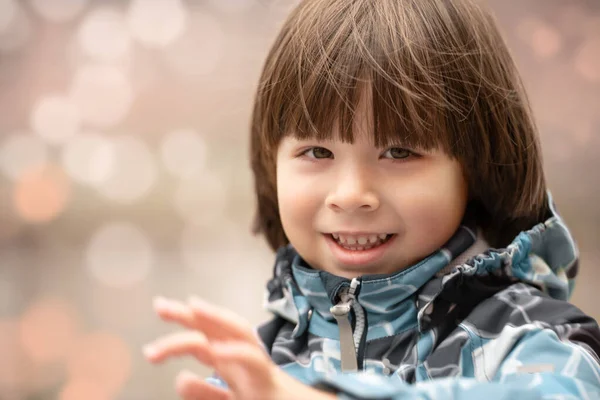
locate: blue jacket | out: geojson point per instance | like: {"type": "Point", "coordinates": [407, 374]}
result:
{"type": "Point", "coordinates": [496, 327]}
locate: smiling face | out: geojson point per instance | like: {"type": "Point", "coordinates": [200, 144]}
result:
{"type": "Point", "coordinates": [353, 209]}
{"type": "Point", "coordinates": [431, 87]}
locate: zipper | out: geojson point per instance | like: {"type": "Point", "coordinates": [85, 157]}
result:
{"type": "Point", "coordinates": [352, 343]}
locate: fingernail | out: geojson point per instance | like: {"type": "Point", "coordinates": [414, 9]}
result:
{"type": "Point", "coordinates": [160, 302]}
{"type": "Point", "coordinates": [149, 351]}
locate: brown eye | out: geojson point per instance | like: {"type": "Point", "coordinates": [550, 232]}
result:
{"type": "Point", "coordinates": [397, 153]}
{"type": "Point", "coordinates": [319, 152]}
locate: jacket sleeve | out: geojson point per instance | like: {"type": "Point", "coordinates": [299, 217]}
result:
{"type": "Point", "coordinates": [526, 362]}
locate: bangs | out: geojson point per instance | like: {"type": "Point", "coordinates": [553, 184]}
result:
{"type": "Point", "coordinates": [331, 72]}
{"type": "Point", "coordinates": [425, 74]}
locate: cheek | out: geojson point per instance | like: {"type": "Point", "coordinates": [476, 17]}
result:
{"type": "Point", "coordinates": [435, 203]}
{"type": "Point", "coordinates": [297, 205]}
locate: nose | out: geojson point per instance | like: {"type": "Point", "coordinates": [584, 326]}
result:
{"type": "Point", "coordinates": [352, 192]}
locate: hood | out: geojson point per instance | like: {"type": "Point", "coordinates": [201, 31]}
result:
{"type": "Point", "coordinates": [544, 256]}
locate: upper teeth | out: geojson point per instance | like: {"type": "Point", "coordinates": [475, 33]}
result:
{"type": "Point", "coordinates": [360, 239]}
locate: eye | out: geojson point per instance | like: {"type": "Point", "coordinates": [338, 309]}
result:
{"type": "Point", "coordinates": [397, 153]}
{"type": "Point", "coordinates": [318, 153]}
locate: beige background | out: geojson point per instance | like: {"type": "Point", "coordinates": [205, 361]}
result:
{"type": "Point", "coordinates": [124, 172]}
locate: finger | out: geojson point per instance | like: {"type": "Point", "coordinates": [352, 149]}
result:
{"type": "Point", "coordinates": [205, 317]}
{"type": "Point", "coordinates": [174, 311]}
{"type": "Point", "coordinates": [180, 344]}
{"type": "Point", "coordinates": [243, 365]}
{"type": "Point", "coordinates": [219, 323]}
{"type": "Point", "coordinates": [190, 387]}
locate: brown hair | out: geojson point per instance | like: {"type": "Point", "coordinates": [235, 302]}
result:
{"type": "Point", "coordinates": [439, 76]}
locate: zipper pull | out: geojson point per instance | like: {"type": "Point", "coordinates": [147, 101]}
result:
{"type": "Point", "coordinates": [340, 312]}
{"type": "Point", "coordinates": [347, 350]}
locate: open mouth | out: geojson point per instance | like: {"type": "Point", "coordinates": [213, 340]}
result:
{"type": "Point", "coordinates": [361, 242]}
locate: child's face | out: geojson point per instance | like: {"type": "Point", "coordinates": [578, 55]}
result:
{"type": "Point", "coordinates": [357, 192]}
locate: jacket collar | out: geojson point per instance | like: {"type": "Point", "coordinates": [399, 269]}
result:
{"type": "Point", "coordinates": [544, 256]}
{"type": "Point", "coordinates": [297, 290]}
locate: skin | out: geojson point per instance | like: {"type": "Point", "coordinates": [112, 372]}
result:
{"type": "Point", "coordinates": [224, 341]}
{"type": "Point", "coordinates": [323, 188]}
{"type": "Point", "coordinates": [330, 186]}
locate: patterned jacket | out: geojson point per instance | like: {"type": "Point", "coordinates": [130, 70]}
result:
{"type": "Point", "coordinates": [497, 326]}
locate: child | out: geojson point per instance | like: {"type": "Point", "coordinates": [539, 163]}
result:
{"type": "Point", "coordinates": [419, 256]}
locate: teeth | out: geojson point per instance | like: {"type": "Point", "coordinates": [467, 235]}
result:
{"type": "Point", "coordinates": [360, 242]}
{"type": "Point", "coordinates": [359, 239]}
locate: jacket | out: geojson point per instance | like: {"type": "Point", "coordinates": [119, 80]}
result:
{"type": "Point", "coordinates": [498, 326]}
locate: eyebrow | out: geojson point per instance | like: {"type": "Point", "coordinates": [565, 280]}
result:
{"type": "Point", "coordinates": [331, 139]}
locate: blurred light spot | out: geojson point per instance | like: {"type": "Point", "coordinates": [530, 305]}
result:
{"type": "Point", "coordinates": [157, 23]}
{"type": "Point", "coordinates": [15, 366]}
{"type": "Point", "coordinates": [183, 153]}
{"type": "Point", "coordinates": [202, 200]}
{"type": "Point", "coordinates": [48, 329]}
{"type": "Point", "coordinates": [77, 56]}
{"type": "Point", "coordinates": [104, 34]}
{"type": "Point", "coordinates": [587, 60]}
{"type": "Point", "coordinates": [88, 158]}
{"type": "Point", "coordinates": [198, 51]}
{"type": "Point", "coordinates": [41, 194]}
{"type": "Point", "coordinates": [103, 94]}
{"type": "Point", "coordinates": [232, 6]}
{"type": "Point", "coordinates": [55, 118]}
{"type": "Point", "coordinates": [59, 10]}
{"type": "Point", "coordinates": [544, 39]}
{"type": "Point", "coordinates": [133, 172]}
{"type": "Point", "coordinates": [20, 152]}
{"type": "Point", "coordinates": [16, 34]}
{"type": "Point", "coordinates": [103, 360]}
{"type": "Point", "coordinates": [83, 389]}
{"type": "Point", "coordinates": [8, 13]}
{"type": "Point", "coordinates": [119, 255]}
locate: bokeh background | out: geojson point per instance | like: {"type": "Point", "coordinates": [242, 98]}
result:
{"type": "Point", "coordinates": [124, 172]}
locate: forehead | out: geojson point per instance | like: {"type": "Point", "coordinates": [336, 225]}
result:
{"type": "Point", "coordinates": [370, 118]}
{"type": "Point", "coordinates": [418, 64]}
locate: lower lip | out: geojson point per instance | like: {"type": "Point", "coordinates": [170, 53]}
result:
{"type": "Point", "coordinates": [357, 257]}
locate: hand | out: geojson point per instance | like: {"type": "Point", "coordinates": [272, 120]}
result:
{"type": "Point", "coordinates": [224, 341]}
